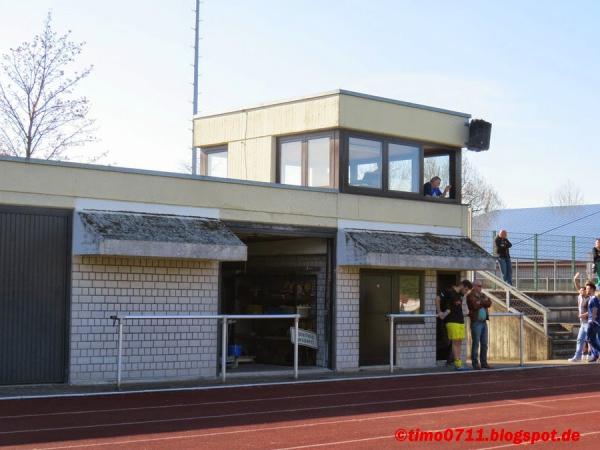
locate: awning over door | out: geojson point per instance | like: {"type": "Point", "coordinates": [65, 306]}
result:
{"type": "Point", "coordinates": [155, 235]}
{"type": "Point", "coordinates": [410, 250]}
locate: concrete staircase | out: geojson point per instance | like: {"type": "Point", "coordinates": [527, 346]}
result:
{"type": "Point", "coordinates": [562, 316]}
{"type": "Point", "coordinates": [563, 321]}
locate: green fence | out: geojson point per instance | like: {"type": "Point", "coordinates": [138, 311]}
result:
{"type": "Point", "coordinates": [543, 262]}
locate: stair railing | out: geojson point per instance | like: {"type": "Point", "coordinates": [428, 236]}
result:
{"type": "Point", "coordinates": [509, 290]}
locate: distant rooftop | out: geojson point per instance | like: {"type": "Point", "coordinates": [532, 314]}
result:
{"type": "Point", "coordinates": [338, 92]}
{"type": "Point", "coordinates": [554, 226]}
{"type": "Point", "coordinates": [581, 220]}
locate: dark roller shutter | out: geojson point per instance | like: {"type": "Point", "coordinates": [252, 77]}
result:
{"type": "Point", "coordinates": [35, 246]}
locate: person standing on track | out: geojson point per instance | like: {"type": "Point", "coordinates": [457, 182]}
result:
{"type": "Point", "coordinates": [478, 305]}
{"type": "Point", "coordinates": [593, 320]}
{"type": "Point", "coordinates": [450, 310]}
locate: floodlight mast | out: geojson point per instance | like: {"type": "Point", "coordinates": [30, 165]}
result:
{"type": "Point", "coordinates": [195, 100]}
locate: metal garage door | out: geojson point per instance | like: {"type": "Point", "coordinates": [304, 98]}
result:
{"type": "Point", "coordinates": [35, 247]}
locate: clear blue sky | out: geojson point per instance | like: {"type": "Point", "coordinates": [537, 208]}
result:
{"type": "Point", "coordinates": [531, 68]}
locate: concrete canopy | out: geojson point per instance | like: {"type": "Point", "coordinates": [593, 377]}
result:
{"type": "Point", "coordinates": [154, 235]}
{"type": "Point", "coordinates": [410, 251]}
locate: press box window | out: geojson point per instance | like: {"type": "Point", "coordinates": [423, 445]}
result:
{"type": "Point", "coordinates": [306, 161]}
{"type": "Point", "coordinates": [213, 162]}
{"type": "Point", "coordinates": [365, 166]}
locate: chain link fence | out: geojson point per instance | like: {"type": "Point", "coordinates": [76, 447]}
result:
{"type": "Point", "coordinates": [543, 262]}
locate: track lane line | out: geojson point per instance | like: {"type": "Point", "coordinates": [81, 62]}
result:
{"type": "Point", "coordinates": [505, 404]}
{"type": "Point", "coordinates": [351, 441]}
{"type": "Point", "coordinates": [286, 427]}
{"type": "Point", "coordinates": [280, 411]}
{"type": "Point", "coordinates": [262, 399]}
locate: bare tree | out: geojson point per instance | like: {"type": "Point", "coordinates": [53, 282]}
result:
{"type": "Point", "coordinates": [39, 114]}
{"type": "Point", "coordinates": [476, 192]}
{"type": "Point", "coordinates": [568, 194]}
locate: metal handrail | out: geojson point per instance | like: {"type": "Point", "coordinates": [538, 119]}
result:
{"type": "Point", "coordinates": [509, 289]}
{"type": "Point", "coordinates": [120, 318]}
{"type": "Point", "coordinates": [393, 317]}
{"type": "Point", "coordinates": [527, 319]}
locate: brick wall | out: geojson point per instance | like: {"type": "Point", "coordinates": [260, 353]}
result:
{"type": "Point", "coordinates": [415, 343]}
{"type": "Point", "coordinates": [152, 350]}
{"type": "Point", "coordinates": [347, 317]}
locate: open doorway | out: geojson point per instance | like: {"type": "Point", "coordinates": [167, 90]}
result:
{"type": "Point", "coordinates": [283, 275]}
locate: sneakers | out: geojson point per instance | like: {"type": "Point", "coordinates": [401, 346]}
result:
{"type": "Point", "coordinates": [593, 359]}
{"type": "Point", "coordinates": [574, 359]}
{"type": "Point", "coordinates": [458, 364]}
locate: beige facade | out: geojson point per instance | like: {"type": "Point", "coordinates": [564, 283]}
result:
{"type": "Point", "coordinates": [63, 185]}
{"type": "Point", "coordinates": [251, 133]}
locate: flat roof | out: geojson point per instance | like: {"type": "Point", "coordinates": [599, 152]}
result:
{"type": "Point", "coordinates": [336, 92]}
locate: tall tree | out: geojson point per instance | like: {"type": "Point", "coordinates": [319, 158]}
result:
{"type": "Point", "coordinates": [40, 115]}
{"type": "Point", "coordinates": [477, 192]}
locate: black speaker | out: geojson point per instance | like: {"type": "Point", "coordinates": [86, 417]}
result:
{"type": "Point", "coordinates": [480, 132]}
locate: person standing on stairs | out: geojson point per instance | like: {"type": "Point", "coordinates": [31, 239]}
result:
{"type": "Point", "coordinates": [582, 308]}
{"type": "Point", "coordinates": [502, 250]}
{"type": "Point", "coordinates": [596, 259]}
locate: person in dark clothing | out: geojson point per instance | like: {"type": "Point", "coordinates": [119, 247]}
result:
{"type": "Point", "coordinates": [449, 309]}
{"type": "Point", "coordinates": [593, 320]}
{"type": "Point", "coordinates": [596, 258]}
{"type": "Point", "coordinates": [502, 250]}
{"type": "Point", "coordinates": [432, 188]}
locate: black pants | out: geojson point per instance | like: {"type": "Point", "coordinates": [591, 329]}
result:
{"type": "Point", "coordinates": [443, 344]}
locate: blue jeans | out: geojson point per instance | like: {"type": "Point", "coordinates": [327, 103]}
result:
{"type": "Point", "coordinates": [506, 269]}
{"type": "Point", "coordinates": [479, 336]}
{"type": "Point", "coordinates": [581, 340]}
{"type": "Point", "coordinates": [593, 337]}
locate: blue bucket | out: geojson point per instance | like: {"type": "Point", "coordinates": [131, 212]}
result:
{"type": "Point", "coordinates": [235, 351]}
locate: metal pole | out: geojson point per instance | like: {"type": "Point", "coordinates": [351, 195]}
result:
{"type": "Point", "coordinates": [517, 273]}
{"type": "Point", "coordinates": [224, 350]}
{"type": "Point", "coordinates": [196, 64]}
{"type": "Point", "coordinates": [535, 262]}
{"type": "Point", "coordinates": [521, 338]}
{"type": "Point", "coordinates": [296, 320]}
{"type": "Point", "coordinates": [391, 345]}
{"type": "Point", "coordinates": [119, 357]}
{"type": "Point", "coordinates": [554, 284]}
{"type": "Point", "coordinates": [572, 254]}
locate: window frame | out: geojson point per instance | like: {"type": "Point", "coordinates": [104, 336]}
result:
{"type": "Point", "coordinates": [205, 151]}
{"type": "Point", "coordinates": [396, 274]}
{"type": "Point", "coordinates": [454, 169]}
{"type": "Point", "coordinates": [384, 191]}
{"type": "Point", "coordinates": [333, 136]}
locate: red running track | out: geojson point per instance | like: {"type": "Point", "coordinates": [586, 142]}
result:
{"type": "Point", "coordinates": [351, 414]}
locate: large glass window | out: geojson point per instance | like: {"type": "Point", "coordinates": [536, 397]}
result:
{"type": "Point", "coordinates": [403, 168]}
{"type": "Point", "coordinates": [291, 163]}
{"type": "Point", "coordinates": [409, 294]}
{"type": "Point", "coordinates": [365, 159]}
{"type": "Point", "coordinates": [319, 160]}
{"type": "Point", "coordinates": [306, 160]}
{"type": "Point", "coordinates": [214, 162]}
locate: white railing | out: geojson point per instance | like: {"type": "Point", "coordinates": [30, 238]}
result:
{"type": "Point", "coordinates": [508, 290]}
{"type": "Point", "coordinates": [119, 320]}
{"type": "Point", "coordinates": [392, 318]}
